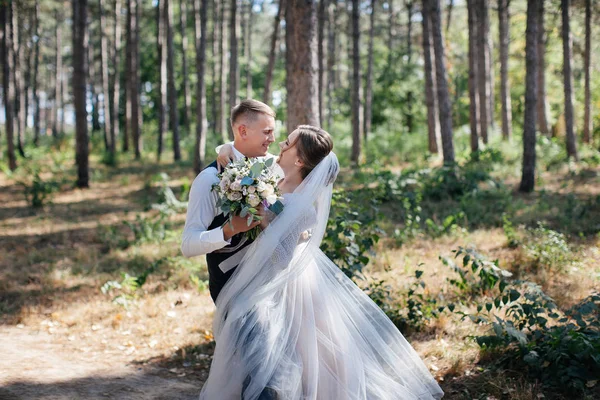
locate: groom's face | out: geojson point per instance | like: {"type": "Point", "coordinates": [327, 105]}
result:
{"type": "Point", "coordinates": [258, 134]}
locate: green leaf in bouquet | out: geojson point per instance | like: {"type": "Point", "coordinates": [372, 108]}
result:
{"type": "Point", "coordinates": [249, 222]}
{"type": "Point", "coordinates": [247, 181]}
{"type": "Point", "coordinates": [276, 207]}
{"type": "Point", "coordinates": [269, 162]}
{"type": "Point", "coordinates": [244, 212]}
{"type": "Point", "coordinates": [256, 169]}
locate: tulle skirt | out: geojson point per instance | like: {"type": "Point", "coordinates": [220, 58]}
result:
{"type": "Point", "coordinates": [317, 337]}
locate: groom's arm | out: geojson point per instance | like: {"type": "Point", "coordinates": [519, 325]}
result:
{"type": "Point", "coordinates": [197, 239]}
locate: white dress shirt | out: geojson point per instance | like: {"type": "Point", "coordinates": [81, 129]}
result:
{"type": "Point", "coordinates": [202, 209]}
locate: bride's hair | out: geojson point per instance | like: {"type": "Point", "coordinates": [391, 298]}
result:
{"type": "Point", "coordinates": [313, 145]}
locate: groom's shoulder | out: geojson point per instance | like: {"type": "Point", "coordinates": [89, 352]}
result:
{"type": "Point", "coordinates": [207, 177]}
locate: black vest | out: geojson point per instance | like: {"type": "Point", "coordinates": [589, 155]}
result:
{"type": "Point", "coordinates": [217, 278]}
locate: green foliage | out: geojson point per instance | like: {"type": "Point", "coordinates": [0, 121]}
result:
{"type": "Point", "coordinates": [351, 231]}
{"type": "Point", "coordinates": [419, 308]}
{"type": "Point", "coordinates": [148, 229]}
{"type": "Point", "coordinates": [548, 248]}
{"type": "Point", "coordinates": [38, 191]}
{"type": "Point", "coordinates": [128, 289]}
{"type": "Point", "coordinates": [168, 203]}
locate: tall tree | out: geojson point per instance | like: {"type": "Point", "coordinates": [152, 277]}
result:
{"type": "Point", "coordinates": [162, 76]}
{"type": "Point", "coordinates": [391, 32]}
{"type": "Point", "coordinates": [108, 132]}
{"type": "Point", "coordinates": [321, 53]}
{"type": "Point", "coordinates": [409, 5]}
{"type": "Point", "coordinates": [483, 25]}
{"type": "Point", "coordinates": [531, 81]}
{"type": "Point", "coordinates": [331, 79]}
{"type": "Point", "coordinates": [273, 53]}
{"type": "Point", "coordinates": [568, 79]}
{"type": "Point", "coordinates": [171, 89]}
{"type": "Point", "coordinates": [441, 82]}
{"type": "Point", "coordinates": [233, 56]}
{"type": "Point", "coordinates": [248, 44]}
{"type": "Point", "coordinates": [369, 79]}
{"type": "Point", "coordinates": [187, 98]}
{"type": "Point", "coordinates": [356, 83]}
{"type": "Point", "coordinates": [34, 83]}
{"type": "Point", "coordinates": [200, 12]}
{"type": "Point", "coordinates": [222, 126]}
{"type": "Point", "coordinates": [79, 96]}
{"type": "Point", "coordinates": [474, 122]}
{"type": "Point", "coordinates": [433, 121]}
{"type": "Point", "coordinates": [19, 73]}
{"type": "Point", "coordinates": [133, 90]}
{"type": "Point", "coordinates": [542, 104]}
{"type": "Point", "coordinates": [92, 87]}
{"type": "Point", "coordinates": [116, 80]}
{"type": "Point", "coordinates": [6, 56]}
{"type": "Point", "coordinates": [214, 40]}
{"type": "Point", "coordinates": [58, 74]}
{"type": "Point", "coordinates": [301, 64]}
{"type": "Point", "coordinates": [587, 119]}
{"type": "Point", "coordinates": [504, 29]}
{"type": "Point", "coordinates": [449, 15]}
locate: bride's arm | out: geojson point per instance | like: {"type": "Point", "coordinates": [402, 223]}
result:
{"type": "Point", "coordinates": [225, 155]}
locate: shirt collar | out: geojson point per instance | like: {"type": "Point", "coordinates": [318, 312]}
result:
{"type": "Point", "coordinates": [237, 154]}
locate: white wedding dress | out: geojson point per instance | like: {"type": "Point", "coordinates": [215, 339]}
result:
{"type": "Point", "coordinates": [290, 321]}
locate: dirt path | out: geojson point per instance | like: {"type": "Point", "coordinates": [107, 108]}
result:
{"type": "Point", "coordinates": [33, 365]}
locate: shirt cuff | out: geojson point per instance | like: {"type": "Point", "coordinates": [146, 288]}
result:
{"type": "Point", "coordinates": [215, 238]}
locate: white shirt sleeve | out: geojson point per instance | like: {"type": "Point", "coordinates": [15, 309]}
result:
{"type": "Point", "coordinates": [197, 239]}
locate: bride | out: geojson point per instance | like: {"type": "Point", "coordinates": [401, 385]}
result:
{"type": "Point", "coordinates": [289, 325]}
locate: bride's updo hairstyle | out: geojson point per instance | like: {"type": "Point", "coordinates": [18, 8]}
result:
{"type": "Point", "coordinates": [313, 145]}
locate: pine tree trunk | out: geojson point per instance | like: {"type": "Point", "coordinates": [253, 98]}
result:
{"type": "Point", "coordinates": [331, 60]}
{"type": "Point", "coordinates": [233, 57]}
{"type": "Point", "coordinates": [133, 90]}
{"type": "Point", "coordinates": [104, 75]}
{"type": "Point", "coordinates": [20, 67]}
{"type": "Point", "coordinates": [116, 77]}
{"type": "Point", "coordinates": [474, 122]}
{"type": "Point", "coordinates": [369, 79]}
{"type": "Point", "coordinates": [433, 124]}
{"type": "Point", "coordinates": [391, 32]}
{"type": "Point", "coordinates": [6, 56]}
{"type": "Point", "coordinates": [250, 22]}
{"type": "Point", "coordinates": [409, 94]}
{"type": "Point", "coordinates": [449, 15]}
{"type": "Point", "coordinates": [483, 68]}
{"type": "Point", "coordinates": [34, 83]}
{"type": "Point", "coordinates": [187, 104]}
{"type": "Point", "coordinates": [171, 89]}
{"type": "Point", "coordinates": [222, 125]}
{"type": "Point", "coordinates": [442, 83]}
{"type": "Point", "coordinates": [321, 53]}
{"type": "Point", "coordinates": [162, 76]}
{"type": "Point", "coordinates": [273, 53]}
{"type": "Point", "coordinates": [504, 29]}
{"type": "Point", "coordinates": [92, 84]}
{"type": "Point", "coordinates": [79, 91]}
{"type": "Point", "coordinates": [58, 75]}
{"type": "Point", "coordinates": [301, 64]}
{"type": "Point", "coordinates": [587, 119]}
{"type": "Point", "coordinates": [568, 79]}
{"type": "Point", "coordinates": [542, 105]}
{"type": "Point", "coordinates": [200, 19]}
{"type": "Point", "coordinates": [214, 40]}
{"type": "Point", "coordinates": [356, 84]}
{"type": "Point", "coordinates": [531, 81]}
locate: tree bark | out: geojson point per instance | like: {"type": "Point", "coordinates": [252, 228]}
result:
{"type": "Point", "coordinates": [483, 68]}
{"type": "Point", "coordinates": [79, 89]}
{"type": "Point", "coordinates": [391, 32]}
{"type": "Point", "coordinates": [171, 89]}
{"type": "Point", "coordinates": [6, 56]}
{"type": "Point", "coordinates": [116, 77]}
{"type": "Point", "coordinates": [34, 83]}
{"type": "Point", "coordinates": [433, 123]}
{"type": "Point", "coordinates": [301, 64]}
{"type": "Point", "coordinates": [187, 103]}
{"type": "Point", "coordinates": [409, 94]}
{"type": "Point", "coordinates": [356, 84]}
{"type": "Point", "coordinates": [162, 76]}
{"type": "Point", "coordinates": [19, 75]}
{"type": "Point", "coordinates": [214, 40]}
{"type": "Point", "coordinates": [568, 79]}
{"type": "Point", "coordinates": [200, 12]}
{"type": "Point", "coordinates": [449, 16]}
{"type": "Point", "coordinates": [474, 122]}
{"type": "Point", "coordinates": [222, 125]}
{"type": "Point", "coordinates": [531, 81]}
{"type": "Point", "coordinates": [134, 80]}
{"type": "Point", "coordinates": [104, 74]}
{"type": "Point", "coordinates": [587, 119]}
{"type": "Point", "coordinates": [250, 22]}
{"type": "Point", "coordinates": [321, 53]}
{"type": "Point", "coordinates": [369, 79]}
{"type": "Point", "coordinates": [442, 83]}
{"type": "Point", "coordinates": [233, 57]}
{"type": "Point", "coordinates": [58, 74]}
{"type": "Point", "coordinates": [331, 25]}
{"type": "Point", "coordinates": [273, 53]}
{"type": "Point", "coordinates": [504, 29]}
{"type": "Point", "coordinates": [92, 84]}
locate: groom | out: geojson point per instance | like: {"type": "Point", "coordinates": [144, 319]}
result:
{"type": "Point", "coordinates": [205, 231]}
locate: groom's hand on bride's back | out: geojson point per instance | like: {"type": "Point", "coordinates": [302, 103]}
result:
{"type": "Point", "coordinates": [237, 225]}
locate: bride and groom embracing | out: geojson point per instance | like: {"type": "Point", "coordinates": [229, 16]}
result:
{"type": "Point", "coordinates": [288, 324]}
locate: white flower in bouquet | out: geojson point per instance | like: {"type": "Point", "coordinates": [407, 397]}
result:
{"type": "Point", "coordinates": [243, 186]}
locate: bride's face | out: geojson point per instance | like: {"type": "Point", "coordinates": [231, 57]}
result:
{"type": "Point", "coordinates": [288, 156]}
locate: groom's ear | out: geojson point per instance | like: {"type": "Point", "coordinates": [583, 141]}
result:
{"type": "Point", "coordinates": [242, 130]}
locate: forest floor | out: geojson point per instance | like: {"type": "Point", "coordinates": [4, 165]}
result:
{"type": "Point", "coordinates": [61, 337]}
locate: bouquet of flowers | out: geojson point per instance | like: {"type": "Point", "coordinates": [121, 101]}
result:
{"type": "Point", "coordinates": [243, 186]}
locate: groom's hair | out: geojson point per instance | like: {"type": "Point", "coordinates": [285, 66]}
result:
{"type": "Point", "coordinates": [250, 109]}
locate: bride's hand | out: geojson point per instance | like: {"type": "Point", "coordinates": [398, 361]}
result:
{"type": "Point", "coordinates": [225, 156]}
